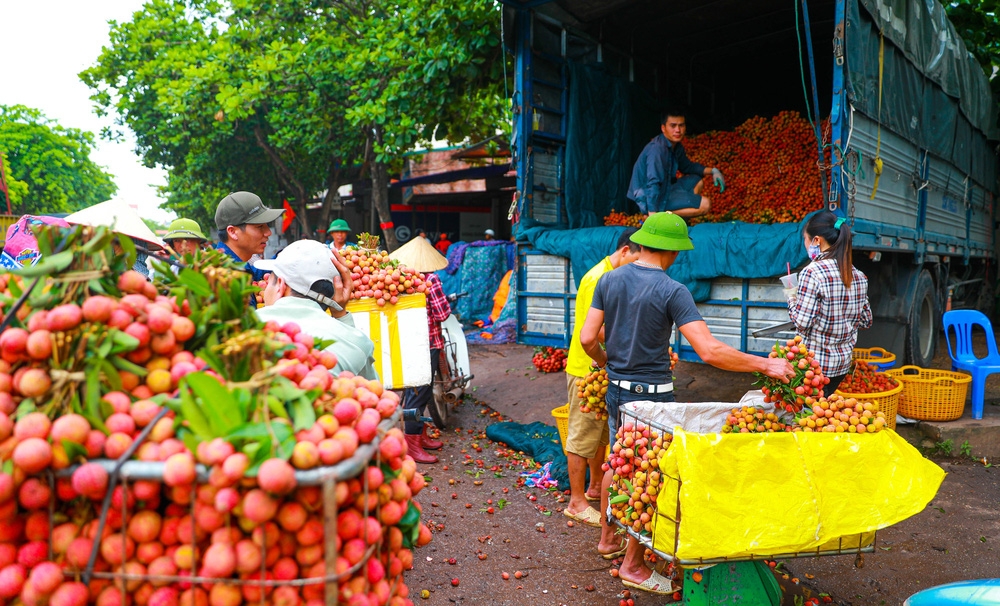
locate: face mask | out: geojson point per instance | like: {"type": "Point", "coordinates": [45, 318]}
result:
{"type": "Point", "coordinates": [813, 251]}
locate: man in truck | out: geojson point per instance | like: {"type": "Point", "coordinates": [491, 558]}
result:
{"type": "Point", "coordinates": [655, 186]}
{"type": "Point", "coordinates": [637, 305]}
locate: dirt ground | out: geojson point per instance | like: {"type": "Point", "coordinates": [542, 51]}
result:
{"type": "Point", "coordinates": [957, 537]}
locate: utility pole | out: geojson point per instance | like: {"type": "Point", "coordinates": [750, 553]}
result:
{"type": "Point", "coordinates": [3, 184]}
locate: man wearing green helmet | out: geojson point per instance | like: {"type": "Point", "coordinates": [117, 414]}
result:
{"type": "Point", "coordinates": [185, 237]}
{"type": "Point", "coordinates": [638, 305]}
{"type": "Point", "coordinates": [339, 230]}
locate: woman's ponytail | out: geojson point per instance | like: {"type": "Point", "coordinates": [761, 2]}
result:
{"type": "Point", "coordinates": [837, 232]}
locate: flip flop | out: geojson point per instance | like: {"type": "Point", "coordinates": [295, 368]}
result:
{"type": "Point", "coordinates": [656, 583]}
{"type": "Point", "coordinates": [613, 555]}
{"type": "Point", "coordinates": [590, 498]}
{"type": "Point", "coordinates": [588, 516]}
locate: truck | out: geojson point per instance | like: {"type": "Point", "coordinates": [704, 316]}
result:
{"type": "Point", "coordinates": [911, 145]}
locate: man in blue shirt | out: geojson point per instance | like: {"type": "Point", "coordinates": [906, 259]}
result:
{"type": "Point", "coordinates": [244, 227]}
{"type": "Point", "coordinates": [654, 186]}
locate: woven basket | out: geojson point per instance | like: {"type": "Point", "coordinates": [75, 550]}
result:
{"type": "Point", "coordinates": [876, 357]}
{"type": "Point", "coordinates": [930, 394]}
{"type": "Point", "coordinates": [561, 416]}
{"type": "Point", "coordinates": [888, 402]}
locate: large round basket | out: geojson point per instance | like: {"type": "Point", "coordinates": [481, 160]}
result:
{"type": "Point", "coordinates": [888, 402]}
{"type": "Point", "coordinates": [930, 394]}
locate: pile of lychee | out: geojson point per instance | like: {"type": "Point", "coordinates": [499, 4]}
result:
{"type": "Point", "coordinates": [90, 383]}
{"type": "Point", "coordinates": [636, 479]}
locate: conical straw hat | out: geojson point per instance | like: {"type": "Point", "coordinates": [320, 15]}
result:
{"type": "Point", "coordinates": [120, 217]}
{"type": "Point", "coordinates": [418, 254]}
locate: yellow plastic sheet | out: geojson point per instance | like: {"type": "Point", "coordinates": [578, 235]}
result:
{"type": "Point", "coordinates": [782, 493]}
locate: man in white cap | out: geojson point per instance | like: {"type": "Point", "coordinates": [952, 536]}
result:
{"type": "Point", "coordinates": [244, 227]}
{"type": "Point", "coordinates": [489, 234]}
{"type": "Point", "coordinates": [306, 281]}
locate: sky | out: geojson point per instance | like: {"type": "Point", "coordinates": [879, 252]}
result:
{"type": "Point", "coordinates": [44, 44]}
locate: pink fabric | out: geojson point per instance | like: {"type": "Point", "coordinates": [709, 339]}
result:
{"type": "Point", "coordinates": [21, 248]}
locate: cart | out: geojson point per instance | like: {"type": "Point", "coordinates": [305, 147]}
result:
{"type": "Point", "coordinates": [745, 579]}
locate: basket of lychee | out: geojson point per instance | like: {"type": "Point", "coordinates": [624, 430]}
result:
{"type": "Point", "coordinates": [804, 388]}
{"type": "Point", "coordinates": [866, 382]}
{"type": "Point", "coordinates": [549, 359]}
{"type": "Point", "coordinates": [378, 277]}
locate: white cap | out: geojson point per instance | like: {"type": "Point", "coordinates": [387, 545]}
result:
{"type": "Point", "coordinates": [300, 264]}
{"type": "Point", "coordinates": [490, 232]}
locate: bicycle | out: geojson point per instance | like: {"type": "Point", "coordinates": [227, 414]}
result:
{"type": "Point", "coordinates": [454, 374]}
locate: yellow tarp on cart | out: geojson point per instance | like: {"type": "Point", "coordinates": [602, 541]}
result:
{"type": "Point", "coordinates": [781, 493]}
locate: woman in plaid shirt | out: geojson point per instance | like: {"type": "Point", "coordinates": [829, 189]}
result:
{"type": "Point", "coordinates": [831, 301]}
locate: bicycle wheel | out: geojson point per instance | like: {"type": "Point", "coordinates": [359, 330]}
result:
{"type": "Point", "coordinates": [437, 407]}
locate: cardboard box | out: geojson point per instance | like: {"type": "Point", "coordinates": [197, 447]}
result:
{"type": "Point", "coordinates": [402, 345]}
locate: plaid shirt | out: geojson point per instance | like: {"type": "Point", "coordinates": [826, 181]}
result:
{"type": "Point", "coordinates": [828, 316]}
{"type": "Point", "coordinates": [438, 310]}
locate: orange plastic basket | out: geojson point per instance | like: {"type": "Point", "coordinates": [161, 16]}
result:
{"type": "Point", "coordinates": [888, 402]}
{"type": "Point", "coordinates": [880, 358]}
{"type": "Point", "coordinates": [930, 394]}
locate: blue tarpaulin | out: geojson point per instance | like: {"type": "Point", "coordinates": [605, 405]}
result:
{"type": "Point", "coordinates": [735, 249]}
{"type": "Point", "coordinates": [537, 440]}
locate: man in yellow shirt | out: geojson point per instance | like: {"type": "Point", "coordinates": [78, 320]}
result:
{"type": "Point", "coordinates": [587, 437]}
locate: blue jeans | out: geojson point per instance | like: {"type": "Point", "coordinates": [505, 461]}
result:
{"type": "Point", "coordinates": [616, 396]}
{"type": "Point", "coordinates": [681, 194]}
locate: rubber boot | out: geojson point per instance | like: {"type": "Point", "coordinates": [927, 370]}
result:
{"type": "Point", "coordinates": [415, 450]}
{"type": "Point", "coordinates": [427, 441]}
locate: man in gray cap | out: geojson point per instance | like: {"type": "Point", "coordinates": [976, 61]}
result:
{"type": "Point", "coordinates": [244, 227]}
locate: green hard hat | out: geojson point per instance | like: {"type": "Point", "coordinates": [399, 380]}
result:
{"type": "Point", "coordinates": [339, 225]}
{"type": "Point", "coordinates": [182, 229]}
{"type": "Point", "coordinates": [664, 231]}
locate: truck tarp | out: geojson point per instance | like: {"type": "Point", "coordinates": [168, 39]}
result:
{"type": "Point", "coordinates": [933, 92]}
{"type": "Point", "coordinates": [737, 250]}
{"type": "Point", "coordinates": [609, 122]}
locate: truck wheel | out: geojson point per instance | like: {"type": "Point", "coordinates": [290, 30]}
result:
{"type": "Point", "coordinates": [921, 338]}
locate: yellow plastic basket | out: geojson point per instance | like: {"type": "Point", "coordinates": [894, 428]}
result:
{"type": "Point", "coordinates": [561, 415]}
{"type": "Point", "coordinates": [888, 401]}
{"type": "Point", "coordinates": [930, 394]}
{"type": "Point", "coordinates": [880, 358]}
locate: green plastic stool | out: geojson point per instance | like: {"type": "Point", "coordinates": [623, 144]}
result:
{"type": "Point", "coordinates": [750, 583]}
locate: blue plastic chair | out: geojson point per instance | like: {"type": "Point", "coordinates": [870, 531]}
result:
{"type": "Point", "coordinates": [962, 321]}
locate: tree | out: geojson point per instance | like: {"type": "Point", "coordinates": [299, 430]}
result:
{"type": "Point", "coordinates": [978, 22]}
{"type": "Point", "coordinates": [297, 96]}
{"type": "Point", "coordinates": [47, 166]}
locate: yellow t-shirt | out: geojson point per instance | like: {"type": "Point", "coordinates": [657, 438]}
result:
{"type": "Point", "coordinates": [578, 362]}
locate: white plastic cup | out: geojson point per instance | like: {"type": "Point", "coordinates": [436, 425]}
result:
{"type": "Point", "coordinates": [790, 281]}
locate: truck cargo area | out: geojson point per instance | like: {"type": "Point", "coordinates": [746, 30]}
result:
{"type": "Point", "coordinates": [592, 75]}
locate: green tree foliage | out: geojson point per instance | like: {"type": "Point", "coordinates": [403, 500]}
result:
{"type": "Point", "coordinates": [978, 22]}
{"type": "Point", "coordinates": [296, 97]}
{"type": "Point", "coordinates": [47, 166]}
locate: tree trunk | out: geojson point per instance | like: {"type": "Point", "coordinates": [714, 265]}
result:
{"type": "Point", "coordinates": [380, 192]}
{"type": "Point", "coordinates": [332, 195]}
{"type": "Point", "coordinates": [380, 200]}
{"type": "Point", "coordinates": [301, 212]}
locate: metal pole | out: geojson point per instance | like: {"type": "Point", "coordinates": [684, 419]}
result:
{"type": "Point", "coordinates": [815, 93]}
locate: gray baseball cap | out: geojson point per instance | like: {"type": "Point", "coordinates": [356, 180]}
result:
{"type": "Point", "coordinates": [243, 207]}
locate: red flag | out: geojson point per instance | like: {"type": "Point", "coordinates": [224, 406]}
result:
{"type": "Point", "coordinates": [289, 216]}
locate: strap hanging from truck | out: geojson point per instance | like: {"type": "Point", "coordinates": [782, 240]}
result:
{"type": "Point", "coordinates": [878, 143]}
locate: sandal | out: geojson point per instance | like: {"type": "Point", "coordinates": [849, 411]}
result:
{"type": "Point", "coordinates": [615, 554]}
{"type": "Point", "coordinates": [656, 583]}
{"type": "Point", "coordinates": [590, 498]}
{"type": "Point", "coordinates": [588, 516]}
